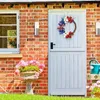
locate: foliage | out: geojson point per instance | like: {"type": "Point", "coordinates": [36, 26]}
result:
{"type": "Point", "coordinates": [12, 42]}
{"type": "Point", "coordinates": [29, 68]}
{"type": "Point", "coordinates": [95, 88]}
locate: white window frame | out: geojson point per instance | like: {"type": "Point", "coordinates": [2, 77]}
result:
{"type": "Point", "coordinates": [12, 50]}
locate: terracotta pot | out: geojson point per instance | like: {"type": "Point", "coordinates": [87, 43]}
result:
{"type": "Point", "coordinates": [97, 94]}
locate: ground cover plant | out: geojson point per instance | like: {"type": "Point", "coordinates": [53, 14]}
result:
{"type": "Point", "coordinates": [39, 97]}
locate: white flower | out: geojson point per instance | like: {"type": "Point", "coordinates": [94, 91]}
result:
{"type": "Point", "coordinates": [95, 84]}
{"type": "Point", "coordinates": [99, 86]}
{"type": "Point", "coordinates": [87, 87]}
{"type": "Point", "coordinates": [65, 34]}
{"type": "Point", "coordinates": [41, 70]}
{"type": "Point", "coordinates": [98, 81]}
{"type": "Point", "coordinates": [65, 20]}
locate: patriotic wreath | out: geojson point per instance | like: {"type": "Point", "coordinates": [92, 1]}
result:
{"type": "Point", "coordinates": [62, 24]}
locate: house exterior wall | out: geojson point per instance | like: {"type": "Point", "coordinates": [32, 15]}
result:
{"type": "Point", "coordinates": [36, 47]}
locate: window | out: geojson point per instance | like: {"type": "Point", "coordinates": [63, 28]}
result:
{"type": "Point", "coordinates": [9, 32]}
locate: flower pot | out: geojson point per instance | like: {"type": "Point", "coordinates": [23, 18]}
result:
{"type": "Point", "coordinates": [97, 95]}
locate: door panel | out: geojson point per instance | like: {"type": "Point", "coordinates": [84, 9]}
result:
{"type": "Point", "coordinates": [77, 40]}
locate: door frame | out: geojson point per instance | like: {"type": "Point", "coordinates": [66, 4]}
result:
{"type": "Point", "coordinates": [49, 71]}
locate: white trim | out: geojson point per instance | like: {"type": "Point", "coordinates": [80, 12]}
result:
{"type": "Point", "coordinates": [63, 10]}
{"type": "Point", "coordinates": [9, 11]}
{"type": "Point", "coordinates": [8, 25]}
{"type": "Point", "coordinates": [85, 56]}
{"type": "Point", "coordinates": [18, 25]}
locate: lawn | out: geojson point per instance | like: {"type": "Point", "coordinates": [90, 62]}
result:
{"type": "Point", "coordinates": [39, 97]}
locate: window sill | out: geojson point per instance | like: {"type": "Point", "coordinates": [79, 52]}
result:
{"type": "Point", "coordinates": [10, 55]}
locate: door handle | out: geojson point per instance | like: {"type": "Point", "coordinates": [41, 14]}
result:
{"type": "Point", "coordinates": [51, 45]}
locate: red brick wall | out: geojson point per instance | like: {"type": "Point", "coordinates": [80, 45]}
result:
{"type": "Point", "coordinates": [37, 47]}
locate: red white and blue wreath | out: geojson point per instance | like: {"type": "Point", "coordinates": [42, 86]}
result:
{"type": "Point", "coordinates": [62, 24]}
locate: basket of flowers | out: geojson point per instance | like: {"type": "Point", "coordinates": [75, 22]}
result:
{"type": "Point", "coordinates": [29, 71]}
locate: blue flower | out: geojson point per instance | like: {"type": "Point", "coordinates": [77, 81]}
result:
{"type": "Point", "coordinates": [62, 31]}
{"type": "Point", "coordinates": [61, 22]}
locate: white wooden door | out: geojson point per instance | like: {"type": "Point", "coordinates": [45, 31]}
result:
{"type": "Point", "coordinates": [67, 59]}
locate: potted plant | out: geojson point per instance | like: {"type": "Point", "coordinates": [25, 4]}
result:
{"type": "Point", "coordinates": [29, 71]}
{"type": "Point", "coordinates": [95, 89]}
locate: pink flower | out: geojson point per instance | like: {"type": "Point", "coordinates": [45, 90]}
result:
{"type": "Point", "coordinates": [36, 77]}
{"type": "Point", "coordinates": [37, 73]}
{"type": "Point", "coordinates": [21, 63]}
{"type": "Point", "coordinates": [95, 84]}
{"type": "Point", "coordinates": [37, 63]}
{"type": "Point", "coordinates": [41, 66]}
{"type": "Point", "coordinates": [17, 71]}
{"type": "Point", "coordinates": [32, 61]}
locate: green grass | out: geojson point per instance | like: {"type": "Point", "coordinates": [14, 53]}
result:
{"type": "Point", "coordinates": [39, 97]}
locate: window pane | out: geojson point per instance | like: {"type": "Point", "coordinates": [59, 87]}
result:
{"type": "Point", "coordinates": [5, 29]}
{"type": "Point", "coordinates": [12, 42]}
{"type": "Point", "coordinates": [3, 42]}
{"type": "Point", "coordinates": [11, 33]}
{"type": "Point", "coordinates": [7, 18]}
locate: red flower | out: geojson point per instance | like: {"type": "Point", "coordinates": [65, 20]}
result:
{"type": "Point", "coordinates": [70, 20]}
{"type": "Point", "coordinates": [70, 33]}
{"type": "Point", "coordinates": [68, 36]}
